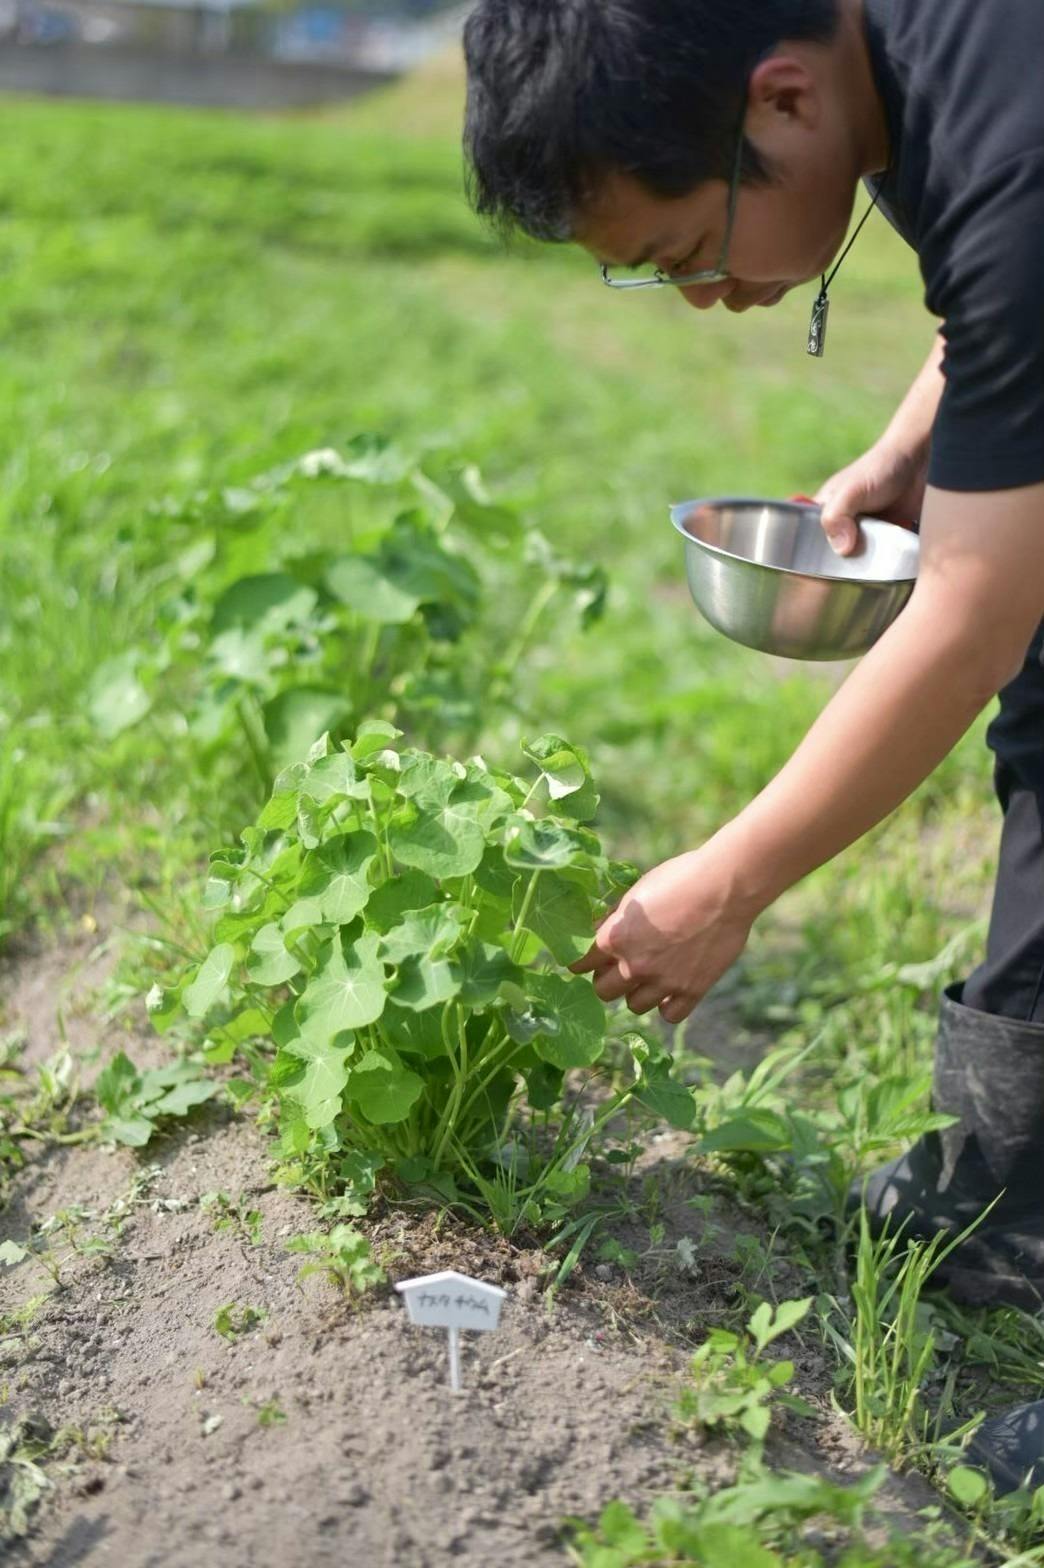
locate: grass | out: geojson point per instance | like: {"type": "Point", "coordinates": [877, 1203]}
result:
{"type": "Point", "coordinates": [190, 299]}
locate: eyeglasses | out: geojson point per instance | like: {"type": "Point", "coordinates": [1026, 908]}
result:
{"type": "Point", "coordinates": [718, 274]}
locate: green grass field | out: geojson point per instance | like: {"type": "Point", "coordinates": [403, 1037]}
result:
{"type": "Point", "coordinates": [191, 299]}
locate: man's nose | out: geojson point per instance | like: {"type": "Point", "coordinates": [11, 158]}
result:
{"type": "Point", "coordinates": [701, 296]}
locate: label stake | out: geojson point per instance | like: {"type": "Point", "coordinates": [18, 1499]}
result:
{"type": "Point", "coordinates": [452, 1301]}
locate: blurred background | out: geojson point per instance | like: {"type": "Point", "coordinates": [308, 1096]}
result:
{"type": "Point", "coordinates": [245, 52]}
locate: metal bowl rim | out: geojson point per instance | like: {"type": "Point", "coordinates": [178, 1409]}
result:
{"type": "Point", "coordinates": [786, 571]}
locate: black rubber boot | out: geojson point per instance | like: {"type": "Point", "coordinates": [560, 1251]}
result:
{"type": "Point", "coordinates": [1011, 1448]}
{"type": "Point", "coordinates": [989, 1072]}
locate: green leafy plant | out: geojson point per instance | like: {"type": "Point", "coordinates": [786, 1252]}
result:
{"type": "Point", "coordinates": [405, 618]}
{"type": "Point", "coordinates": [23, 1480]}
{"type": "Point", "coordinates": [396, 926]}
{"type": "Point", "coordinates": [732, 1385]}
{"type": "Point", "coordinates": [34, 1108]}
{"type": "Point", "coordinates": [812, 1153]}
{"type": "Point", "coordinates": [343, 1255]}
{"type": "Point", "coordinates": [764, 1520]}
{"type": "Point", "coordinates": [135, 1102]}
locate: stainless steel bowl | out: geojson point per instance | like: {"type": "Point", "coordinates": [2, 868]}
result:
{"type": "Point", "coordinates": [763, 573]}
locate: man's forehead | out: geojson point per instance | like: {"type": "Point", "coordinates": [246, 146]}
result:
{"type": "Point", "coordinates": [624, 225]}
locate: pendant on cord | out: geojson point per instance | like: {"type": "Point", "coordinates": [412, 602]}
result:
{"type": "Point", "coordinates": [817, 328]}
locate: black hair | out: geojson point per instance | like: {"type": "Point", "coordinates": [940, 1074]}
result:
{"type": "Point", "coordinates": [562, 93]}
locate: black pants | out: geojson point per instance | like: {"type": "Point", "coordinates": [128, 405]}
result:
{"type": "Point", "coordinates": [1011, 980]}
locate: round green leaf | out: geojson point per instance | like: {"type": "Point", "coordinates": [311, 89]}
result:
{"type": "Point", "coordinates": [331, 778]}
{"type": "Point", "coordinates": [444, 841]}
{"type": "Point", "coordinates": [368, 590]}
{"type": "Point", "coordinates": [270, 963]}
{"type": "Point", "coordinates": [580, 1016]}
{"type": "Point", "coordinates": [559, 914]}
{"type": "Point", "coordinates": [390, 901]}
{"type": "Point", "coordinates": [426, 982]}
{"type": "Point", "coordinates": [211, 979]}
{"type": "Point", "coordinates": [542, 846]}
{"type": "Point", "coordinates": [337, 874]}
{"type": "Point", "coordinates": [347, 991]}
{"type": "Point", "coordinates": [969, 1487]}
{"type": "Point", "coordinates": [116, 698]}
{"type": "Point", "coordinates": [384, 1090]}
{"type": "Point", "coordinates": [423, 933]}
{"type": "Point", "coordinates": [318, 1091]}
{"type": "Point", "coordinates": [267, 602]}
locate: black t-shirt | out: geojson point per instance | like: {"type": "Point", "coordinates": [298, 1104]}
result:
{"type": "Point", "coordinates": [962, 83]}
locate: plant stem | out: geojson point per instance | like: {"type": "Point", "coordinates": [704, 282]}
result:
{"type": "Point", "coordinates": [517, 933]}
{"type": "Point", "coordinates": [83, 1136]}
{"type": "Point", "coordinates": [257, 754]}
{"type": "Point", "coordinates": [495, 1063]}
{"type": "Point", "coordinates": [370, 649]}
{"type": "Point", "coordinates": [460, 1071]}
{"type": "Point", "coordinates": [541, 599]}
{"type": "Point", "coordinates": [382, 842]}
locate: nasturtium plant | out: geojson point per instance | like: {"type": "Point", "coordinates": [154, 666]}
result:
{"type": "Point", "coordinates": [406, 616]}
{"type": "Point", "coordinates": [396, 928]}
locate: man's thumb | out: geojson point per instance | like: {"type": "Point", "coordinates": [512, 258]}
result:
{"type": "Point", "coordinates": [841, 529]}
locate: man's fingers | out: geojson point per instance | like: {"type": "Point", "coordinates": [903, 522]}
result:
{"type": "Point", "coordinates": [600, 952]}
{"type": "Point", "coordinates": [592, 959]}
{"type": "Point", "coordinates": [644, 998]}
{"type": "Point", "coordinates": [610, 985]}
{"type": "Point", "coordinates": [676, 1009]}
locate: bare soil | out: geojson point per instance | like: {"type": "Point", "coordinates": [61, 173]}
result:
{"type": "Point", "coordinates": [327, 1432]}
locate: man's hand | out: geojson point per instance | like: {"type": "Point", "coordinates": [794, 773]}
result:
{"type": "Point", "coordinates": [673, 934]}
{"type": "Point", "coordinates": [886, 482]}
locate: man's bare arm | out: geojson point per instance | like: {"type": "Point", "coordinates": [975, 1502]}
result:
{"type": "Point", "coordinates": [964, 634]}
{"type": "Point", "coordinates": [978, 600]}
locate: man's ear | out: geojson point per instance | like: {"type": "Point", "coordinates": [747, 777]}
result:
{"type": "Point", "coordinates": [782, 87]}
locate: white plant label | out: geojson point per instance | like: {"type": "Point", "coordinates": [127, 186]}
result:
{"type": "Point", "coordinates": [452, 1301]}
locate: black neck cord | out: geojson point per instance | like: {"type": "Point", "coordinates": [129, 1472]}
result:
{"type": "Point", "coordinates": [821, 308]}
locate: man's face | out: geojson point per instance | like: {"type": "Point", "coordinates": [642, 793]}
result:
{"type": "Point", "coordinates": [783, 234]}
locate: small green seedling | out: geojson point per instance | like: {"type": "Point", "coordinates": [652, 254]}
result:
{"type": "Point", "coordinates": [236, 1217]}
{"type": "Point", "coordinates": [269, 1412]}
{"type": "Point", "coordinates": [732, 1385]}
{"type": "Point", "coordinates": [343, 1255]}
{"type": "Point", "coordinates": [43, 1245]}
{"type": "Point", "coordinates": [233, 1320]}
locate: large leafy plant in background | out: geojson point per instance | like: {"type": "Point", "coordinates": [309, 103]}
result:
{"type": "Point", "coordinates": [421, 612]}
{"type": "Point", "coordinates": [389, 954]}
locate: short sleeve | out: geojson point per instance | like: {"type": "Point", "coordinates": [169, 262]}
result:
{"type": "Point", "coordinates": [983, 265]}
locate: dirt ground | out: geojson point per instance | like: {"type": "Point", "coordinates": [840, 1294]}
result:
{"type": "Point", "coordinates": [327, 1433]}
